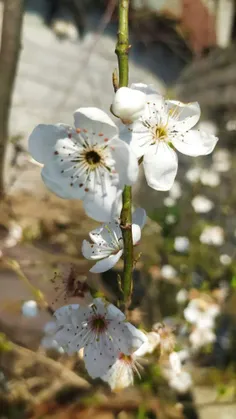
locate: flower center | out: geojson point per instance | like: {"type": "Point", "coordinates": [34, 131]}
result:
{"type": "Point", "coordinates": [98, 323]}
{"type": "Point", "coordinates": [126, 358]}
{"type": "Point", "coordinates": [92, 157]}
{"type": "Point", "coordinates": [160, 132]}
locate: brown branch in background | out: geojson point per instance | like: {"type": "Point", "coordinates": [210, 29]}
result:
{"type": "Point", "coordinates": [9, 54]}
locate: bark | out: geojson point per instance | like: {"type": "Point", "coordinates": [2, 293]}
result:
{"type": "Point", "coordinates": [9, 54]}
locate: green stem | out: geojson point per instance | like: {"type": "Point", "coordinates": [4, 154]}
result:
{"type": "Point", "coordinates": [122, 50]}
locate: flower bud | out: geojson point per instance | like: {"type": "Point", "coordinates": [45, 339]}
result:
{"type": "Point", "coordinates": [128, 104]}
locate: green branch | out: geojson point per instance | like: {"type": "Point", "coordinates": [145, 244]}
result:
{"type": "Point", "coordinates": [122, 50]}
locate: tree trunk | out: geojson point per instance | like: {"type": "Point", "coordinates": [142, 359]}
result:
{"type": "Point", "coordinates": [10, 48]}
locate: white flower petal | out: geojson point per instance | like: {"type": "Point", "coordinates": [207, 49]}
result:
{"type": "Point", "coordinates": [137, 136]}
{"type": "Point", "coordinates": [160, 167]}
{"type": "Point", "coordinates": [98, 357]}
{"type": "Point", "coordinates": [138, 337]}
{"type": "Point", "coordinates": [175, 362]}
{"type": "Point", "coordinates": [195, 143]}
{"type": "Point", "coordinates": [107, 263]}
{"type": "Point", "coordinates": [114, 312]}
{"type": "Point", "coordinates": [120, 375]}
{"type": "Point", "coordinates": [94, 251]}
{"type": "Point", "coordinates": [128, 104]}
{"type": "Point", "coordinates": [152, 95]}
{"type": "Point", "coordinates": [139, 217]}
{"type": "Point", "coordinates": [125, 336]}
{"type": "Point", "coordinates": [182, 117]}
{"type": "Point", "coordinates": [201, 204]}
{"type": "Point", "coordinates": [152, 342]}
{"type": "Point", "coordinates": [136, 233]}
{"type": "Point", "coordinates": [43, 139]}
{"type": "Point", "coordinates": [59, 184]}
{"type": "Point", "coordinates": [126, 162]}
{"type": "Point", "coordinates": [100, 206]}
{"type": "Point", "coordinates": [95, 120]}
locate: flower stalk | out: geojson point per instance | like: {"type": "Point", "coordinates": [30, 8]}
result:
{"type": "Point", "coordinates": [122, 49]}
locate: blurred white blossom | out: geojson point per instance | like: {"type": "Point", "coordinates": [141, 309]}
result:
{"type": "Point", "coordinates": [193, 174]}
{"type": "Point", "coordinates": [181, 244]}
{"type": "Point", "coordinates": [14, 235]}
{"type": "Point", "coordinates": [30, 308]}
{"type": "Point", "coordinates": [231, 125]}
{"type": "Point", "coordinates": [168, 272]}
{"type": "Point", "coordinates": [210, 178]}
{"type": "Point", "coordinates": [201, 336]}
{"type": "Point", "coordinates": [175, 362]}
{"type": "Point", "coordinates": [181, 383]}
{"type": "Point", "coordinates": [225, 259]}
{"type": "Point", "coordinates": [169, 201]}
{"type": "Point", "coordinates": [201, 314]}
{"type": "Point", "coordinates": [201, 204]}
{"type": "Point", "coordinates": [170, 219]}
{"type": "Point", "coordinates": [176, 191]}
{"type": "Point", "coordinates": [212, 235]}
{"type": "Point", "coordinates": [221, 160]}
{"type": "Point", "coordinates": [48, 341]}
{"type": "Point", "coordinates": [182, 296]}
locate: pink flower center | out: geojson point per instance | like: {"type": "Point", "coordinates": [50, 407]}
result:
{"type": "Point", "coordinates": [127, 359]}
{"type": "Point", "coordinates": [98, 323]}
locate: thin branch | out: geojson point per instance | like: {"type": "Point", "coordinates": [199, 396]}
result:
{"type": "Point", "coordinates": [122, 50]}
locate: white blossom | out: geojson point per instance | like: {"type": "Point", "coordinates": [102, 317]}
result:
{"type": "Point", "coordinates": [201, 314]}
{"type": "Point", "coordinates": [14, 235]}
{"type": "Point", "coordinates": [163, 127]}
{"type": "Point", "coordinates": [181, 383]}
{"type": "Point", "coordinates": [168, 272]}
{"type": "Point", "coordinates": [201, 336]}
{"type": "Point", "coordinates": [128, 104]}
{"type": "Point", "coordinates": [210, 178]}
{"type": "Point", "coordinates": [176, 191]}
{"type": "Point", "coordinates": [48, 341]}
{"type": "Point", "coordinates": [181, 244]}
{"type": "Point", "coordinates": [30, 308]}
{"type": "Point", "coordinates": [201, 204]}
{"type": "Point", "coordinates": [225, 259]}
{"type": "Point", "coordinates": [182, 296]}
{"type": "Point", "coordinates": [88, 162]}
{"type": "Point", "coordinates": [208, 126]}
{"type": "Point", "coordinates": [121, 374]}
{"type": "Point", "coordinates": [193, 175]}
{"type": "Point", "coordinates": [170, 219]}
{"type": "Point", "coordinates": [169, 201]}
{"type": "Point", "coordinates": [212, 235]}
{"type": "Point", "coordinates": [221, 160]}
{"type": "Point", "coordinates": [231, 125]}
{"type": "Point", "coordinates": [153, 341]}
{"type": "Point", "coordinates": [107, 243]}
{"type": "Point", "coordinates": [184, 355]}
{"type": "Point", "coordinates": [175, 362]}
{"type": "Point", "coordinates": [101, 330]}
{"type": "Point", "coordinates": [167, 337]}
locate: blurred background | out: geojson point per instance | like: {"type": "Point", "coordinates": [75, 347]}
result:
{"type": "Point", "coordinates": [56, 56]}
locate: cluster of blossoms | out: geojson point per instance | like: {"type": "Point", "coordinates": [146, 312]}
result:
{"type": "Point", "coordinates": [92, 162]}
{"type": "Point", "coordinates": [201, 313]}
